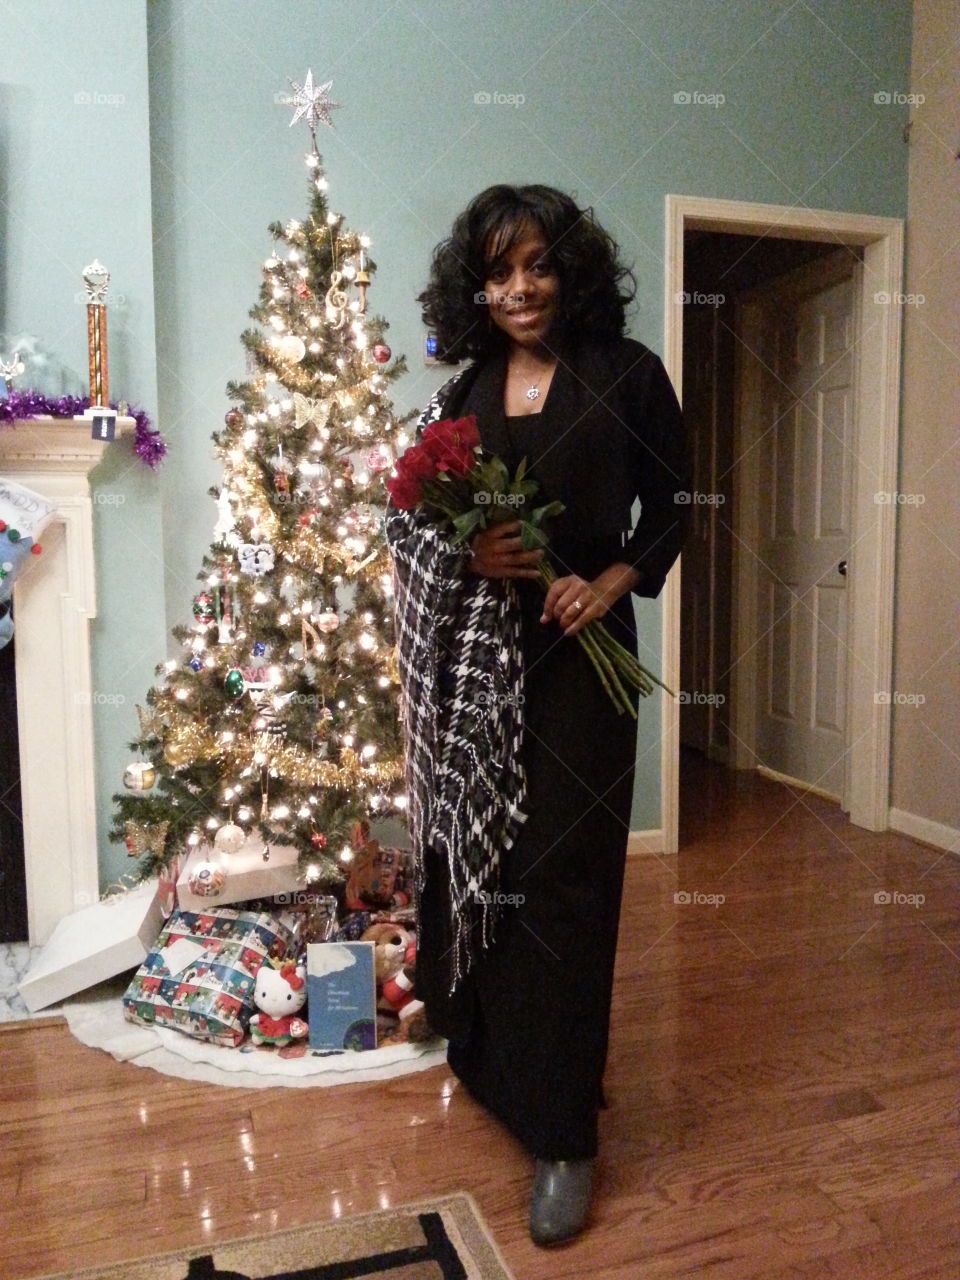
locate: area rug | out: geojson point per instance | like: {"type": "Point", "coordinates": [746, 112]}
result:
{"type": "Point", "coordinates": [440, 1239]}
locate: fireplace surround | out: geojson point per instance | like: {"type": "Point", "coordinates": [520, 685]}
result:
{"type": "Point", "coordinates": [53, 605]}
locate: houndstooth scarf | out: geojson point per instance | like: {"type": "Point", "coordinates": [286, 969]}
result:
{"type": "Point", "coordinates": [461, 678]}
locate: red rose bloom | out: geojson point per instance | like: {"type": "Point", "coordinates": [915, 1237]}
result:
{"type": "Point", "coordinates": [404, 494]}
{"type": "Point", "coordinates": [417, 463]}
{"type": "Point", "coordinates": [451, 443]}
{"type": "Point", "coordinates": [444, 446]}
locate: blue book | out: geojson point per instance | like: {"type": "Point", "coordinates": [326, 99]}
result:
{"type": "Point", "coordinates": [341, 996]}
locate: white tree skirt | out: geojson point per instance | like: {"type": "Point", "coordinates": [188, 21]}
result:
{"type": "Point", "coordinates": [97, 1020]}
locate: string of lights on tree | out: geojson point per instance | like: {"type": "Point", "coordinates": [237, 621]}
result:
{"type": "Point", "coordinates": [279, 714]}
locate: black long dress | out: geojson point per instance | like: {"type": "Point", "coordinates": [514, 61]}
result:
{"type": "Point", "coordinates": [528, 1031]}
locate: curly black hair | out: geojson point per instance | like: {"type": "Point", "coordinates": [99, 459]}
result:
{"type": "Point", "coordinates": [592, 301]}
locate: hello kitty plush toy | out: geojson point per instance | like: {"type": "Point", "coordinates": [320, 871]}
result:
{"type": "Point", "coordinates": [279, 994]}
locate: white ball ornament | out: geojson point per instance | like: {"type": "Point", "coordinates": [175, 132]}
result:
{"type": "Point", "coordinates": [207, 880]}
{"type": "Point", "coordinates": [230, 838]}
{"type": "Point", "coordinates": [291, 347]}
{"type": "Point", "coordinates": [140, 775]}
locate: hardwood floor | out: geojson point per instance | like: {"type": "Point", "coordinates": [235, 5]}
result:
{"type": "Point", "coordinates": [782, 1088]}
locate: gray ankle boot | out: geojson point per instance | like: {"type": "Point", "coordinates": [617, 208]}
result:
{"type": "Point", "coordinates": [560, 1200]}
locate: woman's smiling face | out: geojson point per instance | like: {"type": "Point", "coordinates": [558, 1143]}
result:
{"type": "Point", "coordinates": [522, 288]}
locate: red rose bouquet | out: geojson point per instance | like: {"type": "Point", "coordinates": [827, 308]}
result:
{"type": "Point", "coordinates": [448, 473]}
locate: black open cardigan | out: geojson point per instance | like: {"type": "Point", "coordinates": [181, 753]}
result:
{"type": "Point", "coordinates": [617, 436]}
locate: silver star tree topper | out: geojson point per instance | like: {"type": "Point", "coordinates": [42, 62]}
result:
{"type": "Point", "coordinates": [312, 104]}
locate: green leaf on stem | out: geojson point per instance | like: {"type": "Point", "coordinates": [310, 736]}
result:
{"type": "Point", "coordinates": [532, 538]}
{"type": "Point", "coordinates": [547, 512]}
{"type": "Point", "coordinates": [466, 523]}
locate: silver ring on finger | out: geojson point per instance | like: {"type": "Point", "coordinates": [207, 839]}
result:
{"type": "Point", "coordinates": [578, 606]}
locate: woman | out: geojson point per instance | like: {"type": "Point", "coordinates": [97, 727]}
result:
{"type": "Point", "coordinates": [529, 287]}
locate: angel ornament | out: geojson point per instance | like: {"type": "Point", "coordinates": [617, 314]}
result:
{"type": "Point", "coordinates": [225, 519]}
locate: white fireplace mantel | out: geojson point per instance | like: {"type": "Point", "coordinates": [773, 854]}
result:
{"type": "Point", "coordinates": [53, 604]}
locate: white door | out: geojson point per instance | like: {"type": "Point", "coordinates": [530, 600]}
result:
{"type": "Point", "coordinates": [802, 327]}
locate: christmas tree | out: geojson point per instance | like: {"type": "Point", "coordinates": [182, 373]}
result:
{"type": "Point", "coordinates": [279, 718]}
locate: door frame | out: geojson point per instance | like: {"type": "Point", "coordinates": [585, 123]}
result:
{"type": "Point", "coordinates": [873, 523]}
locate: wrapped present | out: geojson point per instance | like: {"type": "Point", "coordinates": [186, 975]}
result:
{"type": "Point", "coordinates": [355, 923]}
{"type": "Point", "coordinates": [353, 926]}
{"type": "Point", "coordinates": [379, 876]}
{"type": "Point", "coordinates": [199, 977]}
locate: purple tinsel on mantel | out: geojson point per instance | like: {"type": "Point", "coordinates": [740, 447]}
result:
{"type": "Point", "coordinates": [149, 445]}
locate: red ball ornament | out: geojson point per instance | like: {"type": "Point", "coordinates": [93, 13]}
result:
{"type": "Point", "coordinates": [381, 352]}
{"type": "Point", "coordinates": [318, 840]}
{"type": "Point", "coordinates": [36, 549]}
{"type": "Point", "coordinates": [203, 610]}
{"type": "Point", "coordinates": [233, 418]}
{"type": "Point", "coordinates": [302, 289]}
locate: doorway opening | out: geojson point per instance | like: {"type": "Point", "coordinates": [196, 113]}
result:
{"type": "Point", "coordinates": [767, 338]}
{"type": "Point", "coordinates": [782, 338]}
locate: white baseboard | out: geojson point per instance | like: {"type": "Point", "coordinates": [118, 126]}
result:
{"type": "Point", "coordinates": [908, 824]}
{"type": "Point", "coordinates": [935, 833]}
{"type": "Point", "coordinates": [645, 842]}
{"type": "Point", "coordinates": [789, 781]}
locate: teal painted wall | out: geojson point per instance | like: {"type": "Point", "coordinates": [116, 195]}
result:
{"type": "Point", "coordinates": [411, 146]}
{"type": "Point", "coordinates": [74, 185]}
{"type": "Point", "coordinates": [798, 125]}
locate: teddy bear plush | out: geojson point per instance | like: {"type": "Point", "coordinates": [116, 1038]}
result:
{"type": "Point", "coordinates": [279, 994]}
{"type": "Point", "coordinates": [398, 990]}
{"type": "Point", "coordinates": [390, 943]}
{"type": "Point", "coordinates": [402, 1016]}
{"type": "Point", "coordinates": [400, 1013]}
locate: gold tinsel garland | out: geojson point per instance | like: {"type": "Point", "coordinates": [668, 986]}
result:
{"type": "Point", "coordinates": [311, 548]}
{"type": "Point", "coordinates": [193, 742]}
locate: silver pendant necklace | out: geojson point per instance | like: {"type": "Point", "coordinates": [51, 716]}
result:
{"type": "Point", "coordinates": [533, 390]}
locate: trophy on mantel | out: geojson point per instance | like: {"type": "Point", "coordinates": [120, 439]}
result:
{"type": "Point", "coordinates": [96, 277]}
{"type": "Point", "coordinates": [104, 419]}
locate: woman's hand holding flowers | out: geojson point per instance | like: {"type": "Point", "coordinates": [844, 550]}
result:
{"type": "Point", "coordinates": [448, 474]}
{"type": "Point", "coordinates": [573, 601]}
{"type": "Point", "coordinates": [498, 553]}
